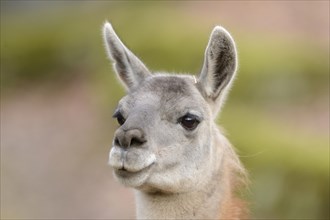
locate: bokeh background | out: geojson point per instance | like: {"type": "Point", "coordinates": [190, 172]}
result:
{"type": "Point", "coordinates": [58, 93]}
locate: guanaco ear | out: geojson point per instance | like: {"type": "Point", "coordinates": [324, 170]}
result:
{"type": "Point", "coordinates": [220, 63]}
{"type": "Point", "coordinates": [127, 66]}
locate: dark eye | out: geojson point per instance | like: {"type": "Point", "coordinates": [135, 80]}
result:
{"type": "Point", "coordinates": [189, 121]}
{"type": "Point", "coordinates": [120, 118]}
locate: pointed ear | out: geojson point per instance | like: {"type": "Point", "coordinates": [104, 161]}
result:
{"type": "Point", "coordinates": [219, 67]}
{"type": "Point", "coordinates": [127, 66]}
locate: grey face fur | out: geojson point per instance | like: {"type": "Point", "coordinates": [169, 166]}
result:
{"type": "Point", "coordinates": [164, 142]}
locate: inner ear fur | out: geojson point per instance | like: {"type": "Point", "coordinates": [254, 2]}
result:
{"type": "Point", "coordinates": [220, 64]}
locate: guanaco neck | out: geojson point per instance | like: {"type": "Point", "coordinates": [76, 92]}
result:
{"type": "Point", "coordinates": [202, 204]}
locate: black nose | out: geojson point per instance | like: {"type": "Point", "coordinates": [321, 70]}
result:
{"type": "Point", "coordinates": [129, 138]}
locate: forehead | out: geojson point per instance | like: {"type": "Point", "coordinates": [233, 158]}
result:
{"type": "Point", "coordinates": [168, 85]}
{"type": "Point", "coordinates": [165, 91]}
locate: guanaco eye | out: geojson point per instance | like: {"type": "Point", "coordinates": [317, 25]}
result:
{"type": "Point", "coordinates": [189, 121]}
{"type": "Point", "coordinates": [120, 118]}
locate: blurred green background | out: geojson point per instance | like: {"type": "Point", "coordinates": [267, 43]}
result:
{"type": "Point", "coordinates": [58, 92]}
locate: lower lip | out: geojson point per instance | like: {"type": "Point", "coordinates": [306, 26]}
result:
{"type": "Point", "coordinates": [125, 173]}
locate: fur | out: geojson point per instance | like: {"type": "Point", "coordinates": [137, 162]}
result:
{"type": "Point", "coordinates": [177, 172]}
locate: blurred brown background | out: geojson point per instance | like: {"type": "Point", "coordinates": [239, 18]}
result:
{"type": "Point", "coordinates": [58, 92]}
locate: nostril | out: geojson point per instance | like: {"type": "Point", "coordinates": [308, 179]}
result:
{"type": "Point", "coordinates": [136, 142]}
{"type": "Point", "coordinates": [117, 142]}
